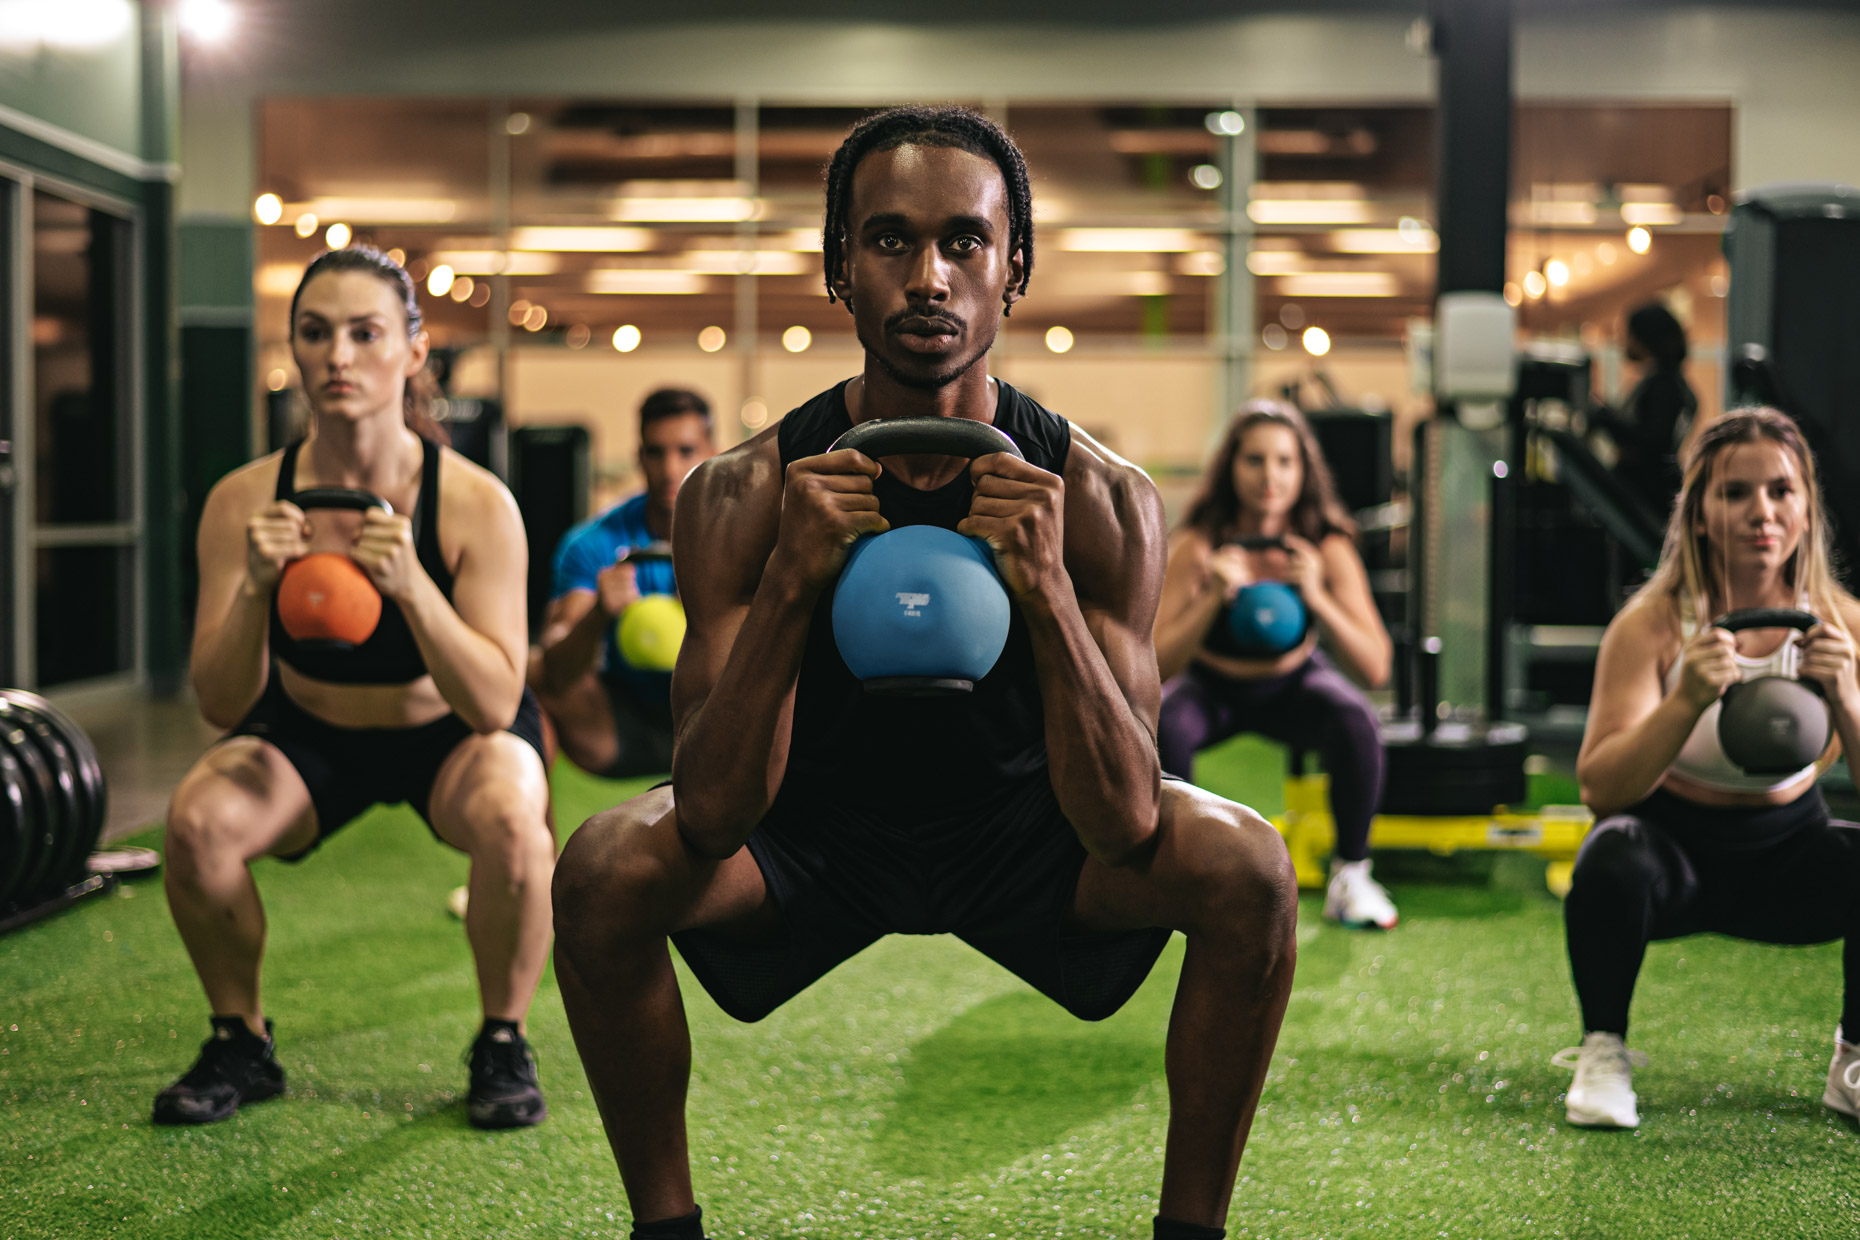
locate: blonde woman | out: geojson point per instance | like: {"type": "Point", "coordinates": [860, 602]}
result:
{"type": "Point", "coordinates": [1686, 842]}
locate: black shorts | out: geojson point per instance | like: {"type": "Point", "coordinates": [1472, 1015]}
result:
{"type": "Point", "coordinates": [1001, 879]}
{"type": "Point", "coordinates": [642, 732]}
{"type": "Point", "coordinates": [350, 769]}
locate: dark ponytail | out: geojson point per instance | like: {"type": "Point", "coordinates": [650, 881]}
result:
{"type": "Point", "coordinates": [421, 390]}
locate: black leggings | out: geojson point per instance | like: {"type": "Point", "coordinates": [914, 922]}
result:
{"type": "Point", "coordinates": [1670, 867]}
{"type": "Point", "coordinates": [1311, 707]}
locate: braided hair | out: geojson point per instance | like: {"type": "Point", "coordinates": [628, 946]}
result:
{"type": "Point", "coordinates": [946, 126]}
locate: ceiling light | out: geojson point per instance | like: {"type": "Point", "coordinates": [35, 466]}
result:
{"type": "Point", "coordinates": [1316, 341]}
{"type": "Point", "coordinates": [1309, 211]}
{"type": "Point", "coordinates": [1130, 240]}
{"type": "Point", "coordinates": [592, 240]}
{"type": "Point", "coordinates": [1651, 213]}
{"type": "Point", "coordinates": [439, 282]}
{"type": "Point", "coordinates": [1639, 240]}
{"type": "Point", "coordinates": [1557, 272]}
{"type": "Point", "coordinates": [1404, 240]}
{"type": "Point", "coordinates": [1535, 284]}
{"type": "Point", "coordinates": [627, 338]}
{"type": "Point", "coordinates": [1339, 284]}
{"type": "Point", "coordinates": [209, 21]}
{"type": "Point", "coordinates": [712, 339]}
{"type": "Point", "coordinates": [1204, 176]}
{"type": "Point", "coordinates": [338, 235]}
{"type": "Point", "coordinates": [755, 414]}
{"type": "Point", "coordinates": [1227, 123]}
{"type": "Point", "coordinates": [685, 210]}
{"type": "Point", "coordinates": [1058, 339]}
{"type": "Point", "coordinates": [268, 208]}
{"type": "Point", "coordinates": [796, 339]}
{"type": "Point", "coordinates": [644, 282]}
{"type": "Point", "coordinates": [305, 225]}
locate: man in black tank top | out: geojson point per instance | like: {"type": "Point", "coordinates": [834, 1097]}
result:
{"type": "Point", "coordinates": [805, 818]}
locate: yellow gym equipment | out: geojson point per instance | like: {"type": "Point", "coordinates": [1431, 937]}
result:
{"type": "Point", "coordinates": [1553, 832]}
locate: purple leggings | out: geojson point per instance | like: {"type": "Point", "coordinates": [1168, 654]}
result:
{"type": "Point", "coordinates": [1312, 707]}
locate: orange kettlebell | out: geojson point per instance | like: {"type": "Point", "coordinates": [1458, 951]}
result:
{"type": "Point", "coordinates": [325, 599]}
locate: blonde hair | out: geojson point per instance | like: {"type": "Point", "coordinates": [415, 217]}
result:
{"type": "Point", "coordinates": [1687, 579]}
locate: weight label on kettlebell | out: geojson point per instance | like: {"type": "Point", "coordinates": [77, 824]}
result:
{"type": "Point", "coordinates": [913, 603]}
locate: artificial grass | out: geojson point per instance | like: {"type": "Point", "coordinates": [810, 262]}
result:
{"type": "Point", "coordinates": [918, 1091]}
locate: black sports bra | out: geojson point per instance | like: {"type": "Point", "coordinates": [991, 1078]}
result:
{"type": "Point", "coordinates": [390, 656]}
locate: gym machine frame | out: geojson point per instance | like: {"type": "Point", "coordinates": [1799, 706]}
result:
{"type": "Point", "coordinates": [1455, 764]}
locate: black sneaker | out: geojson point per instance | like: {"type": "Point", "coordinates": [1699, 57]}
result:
{"type": "Point", "coordinates": [503, 1092]}
{"type": "Point", "coordinates": [235, 1067]}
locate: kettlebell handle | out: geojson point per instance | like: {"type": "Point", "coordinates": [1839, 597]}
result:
{"type": "Point", "coordinates": [340, 497]}
{"type": "Point", "coordinates": [928, 436]}
{"type": "Point", "coordinates": [1766, 618]}
{"type": "Point", "coordinates": [658, 549]}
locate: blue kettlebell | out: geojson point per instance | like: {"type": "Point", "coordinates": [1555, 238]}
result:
{"type": "Point", "coordinates": [920, 611]}
{"type": "Point", "coordinates": [1267, 618]}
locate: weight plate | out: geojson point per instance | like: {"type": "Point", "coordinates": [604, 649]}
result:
{"type": "Point", "coordinates": [67, 866]}
{"type": "Point", "coordinates": [89, 767]}
{"type": "Point", "coordinates": [42, 812]}
{"type": "Point", "coordinates": [16, 842]}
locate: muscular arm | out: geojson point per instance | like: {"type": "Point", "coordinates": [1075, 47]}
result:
{"type": "Point", "coordinates": [1345, 610]}
{"type": "Point", "coordinates": [1636, 728]}
{"type": "Point", "coordinates": [754, 552]}
{"type": "Point", "coordinates": [475, 645]}
{"type": "Point", "coordinates": [1191, 598]}
{"type": "Point", "coordinates": [573, 629]}
{"type": "Point", "coordinates": [231, 653]}
{"type": "Point", "coordinates": [1091, 624]}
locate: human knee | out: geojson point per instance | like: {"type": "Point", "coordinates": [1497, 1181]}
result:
{"type": "Point", "coordinates": [607, 874]}
{"type": "Point", "coordinates": [203, 829]}
{"type": "Point", "coordinates": [509, 831]}
{"type": "Point", "coordinates": [1243, 879]}
{"type": "Point", "coordinates": [1614, 865]}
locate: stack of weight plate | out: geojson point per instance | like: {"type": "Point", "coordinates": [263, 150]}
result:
{"type": "Point", "coordinates": [52, 803]}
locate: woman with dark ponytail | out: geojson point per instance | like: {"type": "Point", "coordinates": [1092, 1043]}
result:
{"type": "Point", "coordinates": [430, 709]}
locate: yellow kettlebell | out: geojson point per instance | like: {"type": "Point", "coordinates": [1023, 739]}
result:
{"type": "Point", "coordinates": [650, 632]}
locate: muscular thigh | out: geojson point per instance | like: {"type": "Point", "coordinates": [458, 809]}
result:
{"type": "Point", "coordinates": [1208, 851]}
{"type": "Point", "coordinates": [631, 864]}
{"type": "Point", "coordinates": [1806, 891]}
{"type": "Point", "coordinates": [488, 779]}
{"type": "Point", "coordinates": [244, 796]}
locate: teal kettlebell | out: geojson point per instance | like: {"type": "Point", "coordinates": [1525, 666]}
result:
{"type": "Point", "coordinates": [920, 611]}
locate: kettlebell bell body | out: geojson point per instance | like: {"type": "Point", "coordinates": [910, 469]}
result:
{"type": "Point", "coordinates": [920, 610]}
{"type": "Point", "coordinates": [1772, 725]}
{"type": "Point", "coordinates": [1267, 618]}
{"type": "Point", "coordinates": [650, 632]}
{"type": "Point", "coordinates": [325, 599]}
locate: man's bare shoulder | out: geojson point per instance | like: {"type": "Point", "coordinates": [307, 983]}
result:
{"type": "Point", "coordinates": [1118, 489]}
{"type": "Point", "coordinates": [746, 474]}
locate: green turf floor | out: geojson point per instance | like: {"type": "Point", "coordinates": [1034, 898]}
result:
{"type": "Point", "coordinates": [918, 1091]}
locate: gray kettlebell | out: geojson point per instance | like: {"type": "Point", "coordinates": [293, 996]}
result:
{"type": "Point", "coordinates": [1772, 725]}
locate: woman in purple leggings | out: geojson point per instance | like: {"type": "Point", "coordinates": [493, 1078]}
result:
{"type": "Point", "coordinates": [1268, 480]}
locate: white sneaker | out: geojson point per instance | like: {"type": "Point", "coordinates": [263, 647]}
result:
{"type": "Point", "coordinates": [1602, 1095]}
{"type": "Point", "coordinates": [1843, 1092]}
{"type": "Point", "coordinates": [1356, 900]}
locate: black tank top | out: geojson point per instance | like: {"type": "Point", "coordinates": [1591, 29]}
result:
{"type": "Point", "coordinates": [390, 656]}
{"type": "Point", "coordinates": [917, 758]}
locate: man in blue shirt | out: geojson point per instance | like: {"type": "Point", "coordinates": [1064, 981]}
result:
{"type": "Point", "coordinates": [610, 718]}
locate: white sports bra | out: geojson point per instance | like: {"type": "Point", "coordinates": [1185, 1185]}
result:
{"type": "Point", "coordinates": [1702, 759]}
